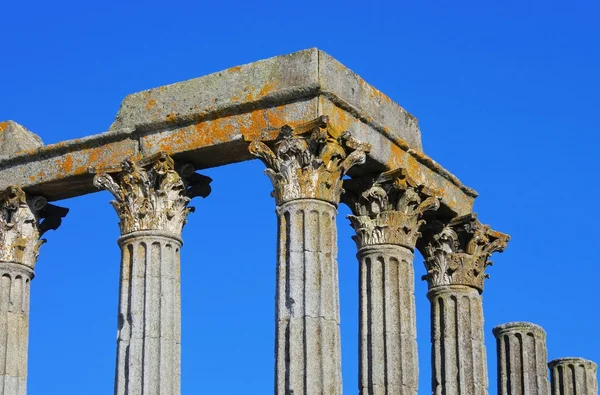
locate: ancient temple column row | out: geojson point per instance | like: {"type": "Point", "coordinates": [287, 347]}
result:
{"type": "Point", "coordinates": [306, 167]}
{"type": "Point", "coordinates": [151, 200]}
{"type": "Point", "coordinates": [23, 220]}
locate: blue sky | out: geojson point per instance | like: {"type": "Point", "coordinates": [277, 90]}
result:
{"type": "Point", "coordinates": [506, 95]}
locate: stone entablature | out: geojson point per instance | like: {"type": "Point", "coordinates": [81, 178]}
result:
{"type": "Point", "coordinates": [210, 120]}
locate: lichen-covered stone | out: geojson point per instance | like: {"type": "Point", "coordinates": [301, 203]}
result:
{"type": "Point", "coordinates": [15, 138]}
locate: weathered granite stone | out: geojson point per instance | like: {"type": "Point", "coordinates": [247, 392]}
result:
{"type": "Point", "coordinates": [151, 200]}
{"type": "Point", "coordinates": [458, 356]}
{"type": "Point", "coordinates": [15, 138]}
{"type": "Point", "coordinates": [209, 122]}
{"type": "Point", "coordinates": [15, 281]}
{"type": "Point", "coordinates": [522, 359]}
{"type": "Point", "coordinates": [306, 167]}
{"type": "Point", "coordinates": [22, 221]}
{"type": "Point", "coordinates": [387, 217]}
{"type": "Point", "coordinates": [456, 255]}
{"type": "Point", "coordinates": [573, 376]}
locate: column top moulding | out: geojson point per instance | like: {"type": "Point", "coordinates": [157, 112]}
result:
{"type": "Point", "coordinates": [209, 121]}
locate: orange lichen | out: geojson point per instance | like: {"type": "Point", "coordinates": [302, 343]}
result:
{"type": "Point", "coordinates": [66, 165]}
{"type": "Point", "coordinates": [340, 119]}
{"type": "Point", "coordinates": [151, 103]}
{"type": "Point", "coordinates": [3, 126]}
{"type": "Point", "coordinates": [234, 69]}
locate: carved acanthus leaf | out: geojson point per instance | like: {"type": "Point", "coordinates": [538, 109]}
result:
{"type": "Point", "coordinates": [459, 252]}
{"type": "Point", "coordinates": [388, 210]}
{"type": "Point", "coordinates": [309, 164]}
{"type": "Point", "coordinates": [23, 220]}
{"type": "Point", "coordinates": [152, 195]}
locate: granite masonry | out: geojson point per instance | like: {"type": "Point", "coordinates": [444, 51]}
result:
{"type": "Point", "coordinates": [326, 137]}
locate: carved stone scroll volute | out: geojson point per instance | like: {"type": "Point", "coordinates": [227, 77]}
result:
{"type": "Point", "coordinates": [388, 210]}
{"type": "Point", "coordinates": [459, 252]}
{"type": "Point", "coordinates": [152, 194]}
{"type": "Point", "coordinates": [23, 220]}
{"type": "Point", "coordinates": [309, 162]}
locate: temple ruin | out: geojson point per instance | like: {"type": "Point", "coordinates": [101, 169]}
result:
{"type": "Point", "coordinates": [326, 137]}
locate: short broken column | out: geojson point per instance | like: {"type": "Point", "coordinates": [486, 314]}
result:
{"type": "Point", "coordinates": [306, 172]}
{"type": "Point", "coordinates": [456, 255]}
{"type": "Point", "coordinates": [522, 359]}
{"type": "Point", "coordinates": [152, 203]}
{"type": "Point", "coordinates": [22, 221]}
{"type": "Point", "coordinates": [387, 217]}
{"type": "Point", "coordinates": [573, 376]}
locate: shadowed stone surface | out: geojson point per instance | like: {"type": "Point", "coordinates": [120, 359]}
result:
{"type": "Point", "coordinates": [573, 376]}
{"type": "Point", "coordinates": [522, 359]}
{"type": "Point", "coordinates": [15, 138]}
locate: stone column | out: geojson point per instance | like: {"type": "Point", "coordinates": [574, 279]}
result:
{"type": "Point", "coordinates": [152, 203]}
{"type": "Point", "coordinates": [522, 359]}
{"type": "Point", "coordinates": [22, 221]}
{"type": "Point", "coordinates": [387, 218]}
{"type": "Point", "coordinates": [307, 172]}
{"type": "Point", "coordinates": [573, 376]}
{"type": "Point", "coordinates": [456, 256]}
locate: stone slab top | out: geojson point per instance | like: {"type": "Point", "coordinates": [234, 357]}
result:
{"type": "Point", "coordinates": [275, 80]}
{"type": "Point", "coordinates": [210, 121]}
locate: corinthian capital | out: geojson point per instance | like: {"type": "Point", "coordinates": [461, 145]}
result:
{"type": "Point", "coordinates": [387, 210]}
{"type": "Point", "coordinates": [23, 221]}
{"type": "Point", "coordinates": [151, 195]}
{"type": "Point", "coordinates": [459, 252]}
{"type": "Point", "coordinates": [309, 162]}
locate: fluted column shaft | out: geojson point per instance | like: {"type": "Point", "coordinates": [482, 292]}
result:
{"type": "Point", "coordinates": [387, 216]}
{"type": "Point", "coordinates": [151, 200]}
{"type": "Point", "coordinates": [388, 346]}
{"type": "Point", "coordinates": [308, 349]}
{"type": "Point", "coordinates": [306, 166]}
{"type": "Point", "coordinates": [23, 220]}
{"type": "Point", "coordinates": [522, 359]}
{"type": "Point", "coordinates": [149, 320]}
{"type": "Point", "coordinates": [573, 376]}
{"type": "Point", "coordinates": [14, 327]}
{"type": "Point", "coordinates": [456, 256]}
{"type": "Point", "coordinates": [458, 351]}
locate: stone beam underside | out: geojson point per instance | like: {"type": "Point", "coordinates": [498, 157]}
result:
{"type": "Point", "coordinates": [209, 121]}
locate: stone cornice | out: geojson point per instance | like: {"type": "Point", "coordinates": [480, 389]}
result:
{"type": "Point", "coordinates": [309, 162]}
{"type": "Point", "coordinates": [457, 253]}
{"type": "Point", "coordinates": [151, 194]}
{"type": "Point", "coordinates": [387, 210]}
{"type": "Point", "coordinates": [23, 220]}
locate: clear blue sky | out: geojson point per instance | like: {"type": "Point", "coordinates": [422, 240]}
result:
{"type": "Point", "coordinates": [507, 99]}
